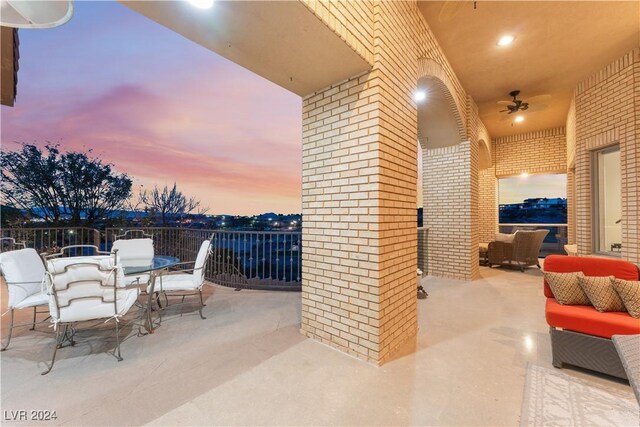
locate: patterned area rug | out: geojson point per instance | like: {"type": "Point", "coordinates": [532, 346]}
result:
{"type": "Point", "coordinates": [552, 398]}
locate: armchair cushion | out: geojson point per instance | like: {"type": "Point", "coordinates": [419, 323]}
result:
{"type": "Point", "coordinates": [601, 293]}
{"type": "Point", "coordinates": [23, 272]}
{"type": "Point", "coordinates": [566, 288]}
{"type": "Point", "coordinates": [40, 298]}
{"type": "Point", "coordinates": [174, 282]}
{"type": "Point", "coordinates": [629, 292]}
{"type": "Point", "coordinates": [504, 237]}
{"type": "Point", "coordinates": [134, 252]}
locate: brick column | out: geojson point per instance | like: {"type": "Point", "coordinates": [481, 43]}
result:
{"type": "Point", "coordinates": [359, 184]}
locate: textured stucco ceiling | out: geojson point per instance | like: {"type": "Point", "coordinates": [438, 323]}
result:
{"type": "Point", "coordinates": [281, 41]}
{"type": "Point", "coordinates": [557, 45]}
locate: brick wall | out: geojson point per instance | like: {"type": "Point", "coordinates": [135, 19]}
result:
{"type": "Point", "coordinates": [488, 205]}
{"type": "Point", "coordinates": [542, 151]}
{"type": "Point", "coordinates": [606, 113]}
{"type": "Point", "coordinates": [448, 213]}
{"type": "Point", "coordinates": [533, 152]}
{"type": "Point", "coordinates": [570, 130]}
{"type": "Point", "coordinates": [359, 183]}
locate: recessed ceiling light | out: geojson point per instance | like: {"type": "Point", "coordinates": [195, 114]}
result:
{"type": "Point", "coordinates": [506, 40]}
{"type": "Point", "coordinates": [420, 96]}
{"type": "Point", "coordinates": [201, 4]}
{"type": "Point", "coordinates": [524, 175]}
{"type": "Point", "coordinates": [519, 119]}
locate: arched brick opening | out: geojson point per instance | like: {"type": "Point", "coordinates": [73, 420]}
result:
{"type": "Point", "coordinates": [485, 160]}
{"type": "Point", "coordinates": [446, 174]}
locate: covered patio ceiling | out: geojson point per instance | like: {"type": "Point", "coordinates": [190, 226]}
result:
{"type": "Point", "coordinates": [557, 44]}
{"type": "Point", "coordinates": [282, 41]}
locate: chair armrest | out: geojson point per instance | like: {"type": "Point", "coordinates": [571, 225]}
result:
{"type": "Point", "coordinates": [500, 252]}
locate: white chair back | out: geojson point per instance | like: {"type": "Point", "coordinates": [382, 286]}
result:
{"type": "Point", "coordinates": [201, 262]}
{"type": "Point", "coordinates": [134, 252]}
{"type": "Point", "coordinates": [84, 289]}
{"type": "Point", "coordinates": [23, 272]}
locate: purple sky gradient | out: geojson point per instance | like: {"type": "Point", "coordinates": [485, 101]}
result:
{"type": "Point", "coordinates": [160, 108]}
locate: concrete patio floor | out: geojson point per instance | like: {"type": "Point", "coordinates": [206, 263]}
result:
{"type": "Point", "coordinates": [247, 364]}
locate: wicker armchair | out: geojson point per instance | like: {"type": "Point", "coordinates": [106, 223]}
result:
{"type": "Point", "coordinates": [521, 253]}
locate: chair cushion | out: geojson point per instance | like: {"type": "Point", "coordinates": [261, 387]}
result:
{"type": "Point", "coordinates": [587, 320]}
{"type": "Point", "coordinates": [590, 266]}
{"type": "Point", "coordinates": [38, 299]}
{"type": "Point", "coordinates": [58, 265]}
{"type": "Point", "coordinates": [201, 263]}
{"type": "Point", "coordinates": [84, 310]}
{"type": "Point", "coordinates": [134, 252]}
{"type": "Point", "coordinates": [566, 288]}
{"type": "Point", "coordinates": [23, 271]}
{"type": "Point", "coordinates": [600, 292]}
{"type": "Point", "coordinates": [629, 292]}
{"type": "Point", "coordinates": [174, 282]}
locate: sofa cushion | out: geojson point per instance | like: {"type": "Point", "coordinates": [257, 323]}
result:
{"type": "Point", "coordinates": [587, 320]}
{"type": "Point", "coordinates": [629, 292]}
{"type": "Point", "coordinates": [566, 288]}
{"type": "Point", "coordinates": [601, 293]}
{"type": "Point", "coordinates": [590, 266]}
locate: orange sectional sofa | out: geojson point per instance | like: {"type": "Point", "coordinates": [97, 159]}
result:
{"type": "Point", "coordinates": [581, 335]}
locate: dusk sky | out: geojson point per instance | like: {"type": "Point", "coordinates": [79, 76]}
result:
{"type": "Point", "coordinates": [160, 108]}
{"type": "Point", "coordinates": [517, 188]}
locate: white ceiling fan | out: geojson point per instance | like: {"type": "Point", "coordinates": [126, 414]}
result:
{"type": "Point", "coordinates": [35, 13]}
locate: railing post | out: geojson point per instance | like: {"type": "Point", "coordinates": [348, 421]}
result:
{"type": "Point", "coordinates": [96, 239]}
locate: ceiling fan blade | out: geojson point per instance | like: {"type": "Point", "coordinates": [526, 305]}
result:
{"type": "Point", "coordinates": [505, 102]}
{"type": "Point", "coordinates": [538, 99]}
{"type": "Point", "coordinates": [537, 107]}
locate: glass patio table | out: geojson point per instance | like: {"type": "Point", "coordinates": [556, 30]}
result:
{"type": "Point", "coordinates": [159, 263]}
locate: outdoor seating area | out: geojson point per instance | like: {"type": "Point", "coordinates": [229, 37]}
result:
{"type": "Point", "coordinates": [250, 348]}
{"type": "Point", "coordinates": [320, 213]}
{"type": "Point", "coordinates": [80, 285]}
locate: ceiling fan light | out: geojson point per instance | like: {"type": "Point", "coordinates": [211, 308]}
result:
{"type": "Point", "coordinates": [506, 40]}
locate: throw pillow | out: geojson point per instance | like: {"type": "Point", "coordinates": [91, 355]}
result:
{"type": "Point", "coordinates": [503, 237]}
{"type": "Point", "coordinates": [566, 289]}
{"type": "Point", "coordinates": [601, 293]}
{"type": "Point", "coordinates": [629, 292]}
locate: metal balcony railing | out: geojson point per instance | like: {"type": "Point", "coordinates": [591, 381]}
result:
{"type": "Point", "coordinates": [269, 260]}
{"type": "Point", "coordinates": [51, 239]}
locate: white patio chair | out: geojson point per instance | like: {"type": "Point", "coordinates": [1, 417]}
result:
{"type": "Point", "coordinates": [10, 244]}
{"type": "Point", "coordinates": [185, 282]}
{"type": "Point", "coordinates": [135, 253]}
{"type": "Point", "coordinates": [23, 273]}
{"type": "Point", "coordinates": [81, 291]}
